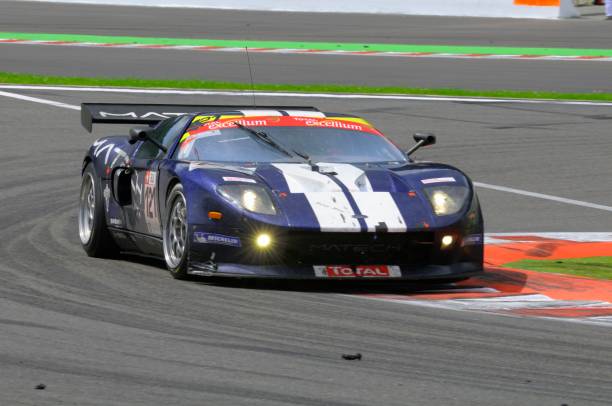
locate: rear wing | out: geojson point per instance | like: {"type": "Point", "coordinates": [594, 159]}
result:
{"type": "Point", "coordinates": [151, 114]}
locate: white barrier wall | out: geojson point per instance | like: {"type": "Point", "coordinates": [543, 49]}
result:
{"type": "Point", "coordinates": [473, 8]}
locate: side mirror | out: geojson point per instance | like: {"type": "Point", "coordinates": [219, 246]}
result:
{"type": "Point", "coordinates": [142, 134]}
{"type": "Point", "coordinates": [138, 134]}
{"type": "Point", "coordinates": [425, 139]}
{"type": "Point", "coordinates": [422, 140]}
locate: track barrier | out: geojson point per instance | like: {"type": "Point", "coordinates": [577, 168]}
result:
{"type": "Point", "coordinates": [546, 9]}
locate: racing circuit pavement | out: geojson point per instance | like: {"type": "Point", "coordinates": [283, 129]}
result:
{"type": "Point", "coordinates": [123, 332]}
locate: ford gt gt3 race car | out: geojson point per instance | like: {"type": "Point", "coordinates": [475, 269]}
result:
{"type": "Point", "coordinates": [279, 192]}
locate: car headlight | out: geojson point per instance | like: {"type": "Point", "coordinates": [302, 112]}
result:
{"type": "Point", "coordinates": [252, 198]}
{"type": "Point", "coordinates": [447, 200]}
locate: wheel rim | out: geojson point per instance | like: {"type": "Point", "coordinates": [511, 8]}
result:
{"type": "Point", "coordinates": [87, 208]}
{"type": "Point", "coordinates": [175, 232]}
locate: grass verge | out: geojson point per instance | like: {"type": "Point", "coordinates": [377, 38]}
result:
{"type": "Point", "coordinates": [594, 267]}
{"type": "Point", "coordinates": [31, 79]}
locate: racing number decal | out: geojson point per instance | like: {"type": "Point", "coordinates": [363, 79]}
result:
{"type": "Point", "coordinates": [150, 203]}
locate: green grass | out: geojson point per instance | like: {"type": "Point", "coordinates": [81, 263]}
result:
{"type": "Point", "coordinates": [30, 79]}
{"type": "Point", "coordinates": [594, 267]}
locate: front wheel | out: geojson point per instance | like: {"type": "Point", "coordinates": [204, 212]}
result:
{"type": "Point", "coordinates": [175, 238]}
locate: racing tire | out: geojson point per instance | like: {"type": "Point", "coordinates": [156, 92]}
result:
{"type": "Point", "coordinates": [175, 234]}
{"type": "Point", "coordinates": [95, 238]}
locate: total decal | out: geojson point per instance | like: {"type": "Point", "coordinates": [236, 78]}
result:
{"type": "Point", "coordinates": [150, 208]}
{"type": "Point", "coordinates": [358, 271]}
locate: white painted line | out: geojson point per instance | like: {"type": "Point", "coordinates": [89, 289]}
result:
{"type": "Point", "coordinates": [39, 100]}
{"type": "Point", "coordinates": [73, 107]}
{"type": "Point", "coordinates": [348, 96]}
{"type": "Point", "coordinates": [543, 196]}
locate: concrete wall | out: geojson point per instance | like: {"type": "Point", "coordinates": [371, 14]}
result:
{"type": "Point", "coordinates": [476, 8]}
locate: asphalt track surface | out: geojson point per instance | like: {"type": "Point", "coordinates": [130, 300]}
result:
{"type": "Point", "coordinates": [122, 332]}
{"type": "Point", "coordinates": [578, 76]}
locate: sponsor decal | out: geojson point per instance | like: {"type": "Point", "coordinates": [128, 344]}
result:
{"type": "Point", "coordinates": [358, 271]}
{"type": "Point", "coordinates": [203, 165]}
{"type": "Point", "coordinates": [203, 119]}
{"type": "Point", "coordinates": [283, 121]}
{"type": "Point", "coordinates": [438, 180]}
{"type": "Point", "coordinates": [472, 239]}
{"type": "Point", "coordinates": [219, 239]}
{"type": "Point", "coordinates": [101, 146]}
{"type": "Point", "coordinates": [232, 123]}
{"type": "Point", "coordinates": [333, 124]}
{"type": "Point", "coordinates": [115, 221]}
{"type": "Point", "coordinates": [150, 202]}
{"type": "Point", "coordinates": [106, 195]}
{"type": "Point", "coordinates": [136, 192]}
{"type": "Point", "coordinates": [237, 179]}
{"type": "Point", "coordinates": [362, 249]}
{"type": "Point", "coordinates": [133, 114]}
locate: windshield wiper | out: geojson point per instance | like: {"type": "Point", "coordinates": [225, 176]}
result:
{"type": "Point", "coordinates": [260, 135]}
{"type": "Point", "coordinates": [313, 166]}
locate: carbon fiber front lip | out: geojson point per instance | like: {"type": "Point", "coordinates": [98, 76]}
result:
{"type": "Point", "coordinates": [456, 270]}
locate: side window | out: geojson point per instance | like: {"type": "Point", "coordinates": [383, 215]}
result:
{"type": "Point", "coordinates": [166, 133]}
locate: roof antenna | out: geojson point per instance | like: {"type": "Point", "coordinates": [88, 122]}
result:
{"type": "Point", "coordinates": [250, 69]}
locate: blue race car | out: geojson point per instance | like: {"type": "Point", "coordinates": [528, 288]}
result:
{"type": "Point", "coordinates": [277, 192]}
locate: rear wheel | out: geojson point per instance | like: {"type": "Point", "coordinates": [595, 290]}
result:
{"type": "Point", "coordinates": [95, 237]}
{"type": "Point", "coordinates": [175, 239]}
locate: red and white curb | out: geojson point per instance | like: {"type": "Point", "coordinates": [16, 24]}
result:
{"type": "Point", "coordinates": [526, 293]}
{"type": "Point", "coordinates": [308, 51]}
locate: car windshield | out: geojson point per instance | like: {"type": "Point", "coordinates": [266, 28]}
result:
{"type": "Point", "coordinates": [320, 144]}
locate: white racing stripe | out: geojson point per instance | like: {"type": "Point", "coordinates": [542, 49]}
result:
{"type": "Point", "coordinates": [302, 179]}
{"type": "Point", "coordinates": [379, 207]}
{"type": "Point", "coordinates": [333, 211]}
{"type": "Point", "coordinates": [330, 204]}
{"type": "Point", "coordinates": [353, 178]}
{"type": "Point", "coordinates": [327, 200]}
{"type": "Point", "coordinates": [261, 113]}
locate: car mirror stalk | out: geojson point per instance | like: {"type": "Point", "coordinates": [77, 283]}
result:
{"type": "Point", "coordinates": [142, 134]}
{"type": "Point", "coordinates": [422, 140]}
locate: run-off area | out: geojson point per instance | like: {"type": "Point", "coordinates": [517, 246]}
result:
{"type": "Point", "coordinates": [123, 331]}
